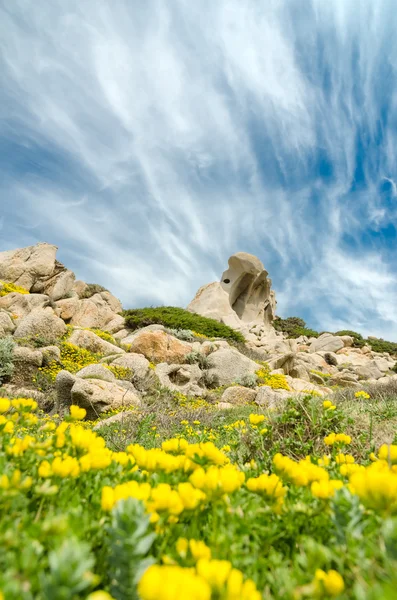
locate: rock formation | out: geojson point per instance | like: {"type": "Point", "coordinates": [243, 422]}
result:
{"type": "Point", "coordinates": [242, 297]}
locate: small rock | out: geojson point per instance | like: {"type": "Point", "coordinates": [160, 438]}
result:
{"type": "Point", "coordinates": [96, 372]}
{"type": "Point", "coordinates": [98, 396]}
{"type": "Point", "coordinates": [92, 342]}
{"type": "Point", "coordinates": [238, 394]}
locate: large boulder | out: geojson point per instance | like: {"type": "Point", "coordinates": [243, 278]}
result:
{"type": "Point", "coordinates": [26, 365]}
{"type": "Point", "coordinates": [238, 394]}
{"type": "Point", "coordinates": [36, 269]}
{"type": "Point", "coordinates": [98, 396]}
{"type": "Point", "coordinates": [327, 343]}
{"type": "Point", "coordinates": [242, 296]}
{"type": "Point", "coordinates": [41, 322]}
{"type": "Point", "coordinates": [159, 346]}
{"type": "Point", "coordinates": [143, 376]}
{"type": "Point", "coordinates": [100, 311]}
{"type": "Point", "coordinates": [181, 378]}
{"type": "Point", "coordinates": [67, 307]}
{"type": "Point", "coordinates": [96, 371]}
{"type": "Point", "coordinates": [227, 365]}
{"type": "Point", "coordinates": [20, 305]}
{"type": "Point", "coordinates": [266, 397]}
{"type": "Point", "coordinates": [92, 342]}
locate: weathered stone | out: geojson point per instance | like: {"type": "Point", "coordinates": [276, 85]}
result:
{"type": "Point", "coordinates": [98, 396]}
{"type": "Point", "coordinates": [50, 354]}
{"type": "Point", "coordinates": [326, 343]}
{"type": "Point", "coordinates": [302, 386]}
{"type": "Point", "coordinates": [64, 382]}
{"type": "Point", "coordinates": [41, 322]}
{"type": "Point", "coordinates": [26, 364]}
{"type": "Point", "coordinates": [92, 342]}
{"type": "Point", "coordinates": [383, 364]}
{"type": "Point", "coordinates": [25, 266]}
{"type": "Point", "coordinates": [269, 398]}
{"type": "Point", "coordinates": [182, 378]}
{"type": "Point", "coordinates": [143, 376]}
{"type": "Point", "coordinates": [7, 325]}
{"type": "Point", "coordinates": [96, 371]}
{"type": "Point", "coordinates": [237, 394]}
{"type": "Point", "coordinates": [228, 365]}
{"type": "Point", "coordinates": [369, 371]}
{"type": "Point", "coordinates": [21, 305]}
{"type": "Point", "coordinates": [159, 346]}
{"type": "Point", "coordinates": [347, 340]}
{"type": "Point", "coordinates": [125, 416]}
{"type": "Point", "coordinates": [242, 296]}
{"type": "Point", "coordinates": [100, 311]}
{"type": "Point", "coordinates": [224, 405]}
{"type": "Point", "coordinates": [67, 307]}
{"type": "Point", "coordinates": [57, 285]}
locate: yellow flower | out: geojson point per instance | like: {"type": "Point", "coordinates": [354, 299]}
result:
{"type": "Point", "coordinates": [182, 547]}
{"type": "Point", "coordinates": [99, 595]}
{"type": "Point", "coordinates": [168, 582]}
{"type": "Point", "coordinates": [5, 405]}
{"type": "Point", "coordinates": [9, 427]}
{"type": "Point", "coordinates": [388, 453]}
{"type": "Point", "coordinates": [256, 419]}
{"type": "Point", "coordinates": [215, 572]}
{"type": "Point", "coordinates": [337, 438]}
{"type": "Point", "coordinates": [363, 395]}
{"type": "Point", "coordinates": [108, 499]}
{"type": "Point", "coordinates": [77, 413]}
{"type": "Point", "coordinates": [45, 469]}
{"type": "Point", "coordinates": [330, 582]}
{"type": "Point", "coordinates": [325, 489]}
{"type": "Point", "coordinates": [199, 549]}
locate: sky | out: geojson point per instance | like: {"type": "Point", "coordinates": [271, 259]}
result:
{"type": "Point", "coordinates": [151, 140]}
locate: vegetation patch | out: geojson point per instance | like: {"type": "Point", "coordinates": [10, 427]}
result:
{"type": "Point", "coordinates": [8, 288]}
{"type": "Point", "coordinates": [177, 318]}
{"type": "Point", "coordinates": [276, 381]}
{"type": "Point", "coordinates": [294, 327]}
{"type": "Point", "coordinates": [6, 358]}
{"type": "Point", "coordinates": [91, 289]}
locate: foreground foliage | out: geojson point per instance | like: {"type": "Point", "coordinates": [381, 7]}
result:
{"type": "Point", "coordinates": [178, 318]}
{"type": "Point", "coordinates": [238, 505]}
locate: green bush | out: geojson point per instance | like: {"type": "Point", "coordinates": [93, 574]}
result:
{"type": "Point", "coordinates": [6, 358]}
{"type": "Point", "coordinates": [379, 345]}
{"type": "Point", "coordinates": [294, 327]}
{"type": "Point", "coordinates": [178, 318]}
{"type": "Point", "coordinates": [358, 340]}
{"type": "Point", "coordinates": [91, 289]}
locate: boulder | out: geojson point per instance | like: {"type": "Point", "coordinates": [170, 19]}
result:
{"type": "Point", "coordinates": [383, 364]}
{"type": "Point", "coordinates": [143, 376]}
{"type": "Point", "coordinates": [64, 382]}
{"type": "Point", "coordinates": [326, 343]}
{"type": "Point", "coordinates": [41, 322]}
{"type": "Point", "coordinates": [67, 307]}
{"type": "Point", "coordinates": [26, 266]}
{"type": "Point", "coordinates": [159, 346]}
{"type": "Point", "coordinates": [228, 365]}
{"type": "Point", "coordinates": [344, 379]}
{"type": "Point", "coordinates": [50, 354]}
{"type": "Point", "coordinates": [96, 371]}
{"type": "Point", "coordinates": [98, 396]}
{"type": "Point", "coordinates": [302, 386]}
{"type": "Point", "coordinates": [237, 394]}
{"type": "Point", "coordinates": [181, 378]}
{"type": "Point", "coordinates": [92, 342]}
{"type": "Point", "coordinates": [369, 371]}
{"type": "Point", "coordinates": [242, 296]}
{"type": "Point", "coordinates": [100, 311]}
{"type": "Point", "coordinates": [57, 285]}
{"type": "Point", "coordinates": [7, 325]}
{"type": "Point", "coordinates": [347, 340]}
{"type": "Point", "coordinates": [269, 398]}
{"type": "Point", "coordinates": [224, 405]}
{"type": "Point", "coordinates": [21, 305]}
{"type": "Point", "coordinates": [26, 364]}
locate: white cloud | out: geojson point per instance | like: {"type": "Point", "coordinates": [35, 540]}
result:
{"type": "Point", "coordinates": [178, 133]}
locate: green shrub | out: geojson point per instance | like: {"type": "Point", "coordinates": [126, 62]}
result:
{"type": "Point", "coordinates": [177, 318]}
{"type": "Point", "coordinates": [182, 334]}
{"type": "Point", "coordinates": [91, 289]}
{"type": "Point", "coordinates": [201, 360]}
{"type": "Point", "coordinates": [379, 345]}
{"type": "Point", "coordinates": [294, 327]}
{"type": "Point", "coordinates": [6, 358]}
{"type": "Point", "coordinates": [358, 340]}
{"type": "Point", "coordinates": [248, 380]}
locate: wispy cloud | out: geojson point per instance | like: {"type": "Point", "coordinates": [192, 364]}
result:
{"type": "Point", "coordinates": [150, 141]}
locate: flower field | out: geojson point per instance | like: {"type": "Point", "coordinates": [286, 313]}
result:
{"type": "Point", "coordinates": [241, 504]}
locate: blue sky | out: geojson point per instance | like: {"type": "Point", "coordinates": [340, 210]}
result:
{"type": "Point", "coordinates": [152, 140]}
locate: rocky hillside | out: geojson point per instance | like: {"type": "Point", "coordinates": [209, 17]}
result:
{"type": "Point", "coordinates": [67, 342]}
